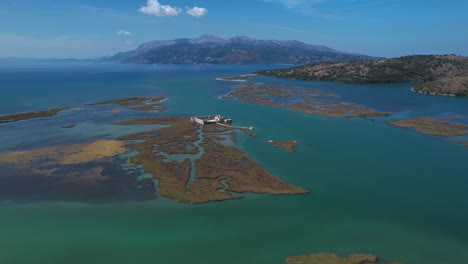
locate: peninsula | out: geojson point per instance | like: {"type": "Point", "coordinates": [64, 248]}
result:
{"type": "Point", "coordinates": [433, 74]}
{"type": "Point", "coordinates": [192, 163]}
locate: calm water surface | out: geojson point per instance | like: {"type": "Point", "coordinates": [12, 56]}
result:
{"type": "Point", "coordinates": [375, 188]}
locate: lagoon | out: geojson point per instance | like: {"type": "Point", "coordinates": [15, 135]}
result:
{"type": "Point", "coordinates": [375, 188]}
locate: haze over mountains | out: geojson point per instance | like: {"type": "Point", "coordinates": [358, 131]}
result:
{"type": "Point", "coordinates": [209, 49]}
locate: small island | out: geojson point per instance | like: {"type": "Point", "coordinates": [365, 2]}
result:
{"type": "Point", "coordinates": [432, 126]}
{"type": "Point", "coordinates": [31, 115]}
{"type": "Point", "coordinates": [239, 78]}
{"type": "Point", "coordinates": [287, 145]}
{"type": "Point", "coordinates": [299, 99]}
{"type": "Point", "coordinates": [141, 103]}
{"type": "Point", "coordinates": [331, 258]}
{"type": "Point", "coordinates": [69, 126]}
{"type": "Point", "coordinates": [434, 74]}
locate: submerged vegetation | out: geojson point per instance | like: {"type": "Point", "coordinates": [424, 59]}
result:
{"type": "Point", "coordinates": [80, 172]}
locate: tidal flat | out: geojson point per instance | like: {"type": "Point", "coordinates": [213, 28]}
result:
{"type": "Point", "coordinates": [83, 172]}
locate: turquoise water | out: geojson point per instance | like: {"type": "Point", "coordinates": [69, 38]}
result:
{"type": "Point", "coordinates": [375, 188]}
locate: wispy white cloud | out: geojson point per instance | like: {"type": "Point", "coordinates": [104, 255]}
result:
{"type": "Point", "coordinates": [124, 33]}
{"type": "Point", "coordinates": [129, 42]}
{"type": "Point", "coordinates": [298, 3]}
{"type": "Point", "coordinates": [306, 7]}
{"type": "Point", "coordinates": [197, 11]}
{"type": "Point", "coordinates": [153, 7]}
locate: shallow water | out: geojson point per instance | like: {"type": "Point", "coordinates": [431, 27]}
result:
{"type": "Point", "coordinates": [375, 188]}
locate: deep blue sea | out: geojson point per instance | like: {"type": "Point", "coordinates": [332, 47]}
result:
{"type": "Point", "coordinates": [375, 188]}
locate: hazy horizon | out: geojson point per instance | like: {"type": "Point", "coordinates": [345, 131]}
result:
{"type": "Point", "coordinates": [86, 29]}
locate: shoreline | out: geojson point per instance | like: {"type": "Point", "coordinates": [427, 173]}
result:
{"type": "Point", "coordinates": [435, 94]}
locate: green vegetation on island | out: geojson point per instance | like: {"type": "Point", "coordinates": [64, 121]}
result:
{"type": "Point", "coordinates": [435, 74]}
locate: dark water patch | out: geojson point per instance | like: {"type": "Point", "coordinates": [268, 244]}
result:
{"type": "Point", "coordinates": [94, 182]}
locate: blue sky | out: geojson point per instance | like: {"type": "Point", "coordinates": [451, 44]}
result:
{"type": "Point", "coordinates": [91, 28]}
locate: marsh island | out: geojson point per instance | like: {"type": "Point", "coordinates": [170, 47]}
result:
{"type": "Point", "coordinates": [330, 258]}
{"type": "Point", "coordinates": [299, 99]}
{"type": "Point", "coordinates": [432, 126]}
{"type": "Point", "coordinates": [142, 103]}
{"type": "Point", "coordinates": [286, 145]}
{"type": "Point", "coordinates": [31, 115]}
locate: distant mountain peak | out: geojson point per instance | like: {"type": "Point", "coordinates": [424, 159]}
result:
{"type": "Point", "coordinates": [241, 38]}
{"type": "Point", "coordinates": [210, 49]}
{"type": "Point", "coordinates": [207, 38]}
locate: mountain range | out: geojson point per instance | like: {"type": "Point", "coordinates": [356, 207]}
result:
{"type": "Point", "coordinates": [209, 49]}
